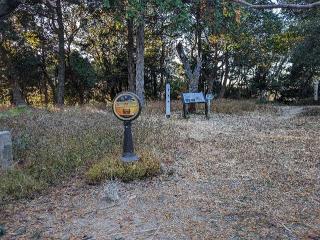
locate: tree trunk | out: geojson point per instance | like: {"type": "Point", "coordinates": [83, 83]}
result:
{"type": "Point", "coordinates": [225, 77]}
{"type": "Point", "coordinates": [193, 76]}
{"type": "Point", "coordinates": [17, 97]}
{"type": "Point", "coordinates": [46, 95]}
{"type": "Point", "coordinates": [214, 75]}
{"type": "Point", "coordinates": [316, 91]}
{"type": "Point", "coordinates": [62, 66]}
{"type": "Point", "coordinates": [140, 61]}
{"type": "Point", "coordinates": [155, 85]}
{"type": "Point", "coordinates": [162, 68]}
{"type": "Point", "coordinates": [130, 49]}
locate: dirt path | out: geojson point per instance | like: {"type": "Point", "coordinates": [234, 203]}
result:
{"type": "Point", "coordinates": [234, 177]}
{"type": "Point", "coordinates": [287, 112]}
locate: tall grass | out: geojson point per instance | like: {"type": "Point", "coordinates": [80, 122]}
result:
{"type": "Point", "coordinates": [51, 145]}
{"type": "Point", "coordinates": [54, 145]}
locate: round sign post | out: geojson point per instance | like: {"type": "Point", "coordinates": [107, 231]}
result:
{"type": "Point", "coordinates": [127, 107]}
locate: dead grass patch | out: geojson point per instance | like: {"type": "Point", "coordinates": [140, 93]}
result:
{"type": "Point", "coordinates": [226, 106]}
{"type": "Point", "coordinates": [310, 112]}
{"type": "Point", "coordinates": [233, 106]}
{"type": "Point", "coordinates": [111, 168]}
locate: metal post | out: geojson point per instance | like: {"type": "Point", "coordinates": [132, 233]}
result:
{"type": "Point", "coordinates": [128, 151]}
{"type": "Point", "coordinates": [184, 110]}
{"type": "Point", "coordinates": [168, 101]}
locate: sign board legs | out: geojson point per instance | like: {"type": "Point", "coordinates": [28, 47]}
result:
{"type": "Point", "coordinates": [207, 110]}
{"type": "Point", "coordinates": [184, 111]}
{"type": "Point", "coordinates": [128, 150]}
{"type": "Point", "coordinates": [168, 110]}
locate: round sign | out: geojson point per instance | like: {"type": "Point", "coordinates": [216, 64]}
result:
{"type": "Point", "coordinates": [127, 106]}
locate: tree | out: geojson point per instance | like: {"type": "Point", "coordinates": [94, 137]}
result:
{"type": "Point", "coordinates": [140, 54]}
{"type": "Point", "coordinates": [130, 51]}
{"type": "Point", "coordinates": [192, 75]}
{"type": "Point", "coordinates": [61, 63]}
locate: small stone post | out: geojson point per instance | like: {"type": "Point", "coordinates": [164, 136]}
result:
{"type": "Point", "coordinates": [6, 159]}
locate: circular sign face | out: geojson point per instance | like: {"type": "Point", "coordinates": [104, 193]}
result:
{"type": "Point", "coordinates": [127, 106]}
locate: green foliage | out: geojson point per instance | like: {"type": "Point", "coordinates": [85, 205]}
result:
{"type": "Point", "coordinates": [18, 184]}
{"type": "Point", "coordinates": [14, 112]}
{"type": "Point", "coordinates": [106, 3]}
{"type": "Point", "coordinates": [83, 70]}
{"type": "Point", "coordinates": [265, 50]}
{"type": "Point", "coordinates": [81, 79]}
{"type": "Point", "coordinates": [177, 87]}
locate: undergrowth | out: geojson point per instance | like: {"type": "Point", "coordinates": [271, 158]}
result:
{"type": "Point", "coordinates": [53, 146]}
{"type": "Point", "coordinates": [225, 106]}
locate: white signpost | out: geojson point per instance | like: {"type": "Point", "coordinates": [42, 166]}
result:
{"type": "Point", "coordinates": [168, 110]}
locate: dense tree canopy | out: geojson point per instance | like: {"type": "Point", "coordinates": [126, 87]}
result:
{"type": "Point", "coordinates": [78, 51]}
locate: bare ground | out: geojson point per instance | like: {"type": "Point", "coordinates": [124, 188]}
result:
{"type": "Point", "coordinates": [254, 176]}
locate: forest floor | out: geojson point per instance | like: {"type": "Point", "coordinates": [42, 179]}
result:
{"type": "Point", "coordinates": [247, 176]}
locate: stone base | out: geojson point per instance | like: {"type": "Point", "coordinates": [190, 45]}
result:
{"type": "Point", "coordinates": [128, 158]}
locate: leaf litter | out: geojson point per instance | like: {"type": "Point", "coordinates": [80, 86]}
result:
{"type": "Point", "coordinates": [248, 176]}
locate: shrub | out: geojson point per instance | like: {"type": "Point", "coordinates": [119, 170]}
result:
{"type": "Point", "coordinates": [112, 168]}
{"type": "Point", "coordinates": [18, 184]}
{"type": "Point", "coordinates": [13, 112]}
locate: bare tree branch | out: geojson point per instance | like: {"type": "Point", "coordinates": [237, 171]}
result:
{"type": "Point", "coordinates": [184, 61]}
{"type": "Point", "coordinates": [280, 5]}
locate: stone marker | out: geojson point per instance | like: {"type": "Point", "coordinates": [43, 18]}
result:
{"type": "Point", "coordinates": [5, 150]}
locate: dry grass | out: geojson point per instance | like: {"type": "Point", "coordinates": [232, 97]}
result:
{"type": "Point", "coordinates": [235, 176]}
{"type": "Point", "coordinates": [50, 145]}
{"type": "Point", "coordinates": [233, 106]}
{"type": "Point", "coordinates": [225, 106]}
{"type": "Point", "coordinates": [310, 112]}
{"type": "Point", "coordinates": [111, 168]}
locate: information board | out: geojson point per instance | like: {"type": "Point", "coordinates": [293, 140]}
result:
{"type": "Point", "coordinates": [126, 106]}
{"type": "Point", "coordinates": [193, 98]}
